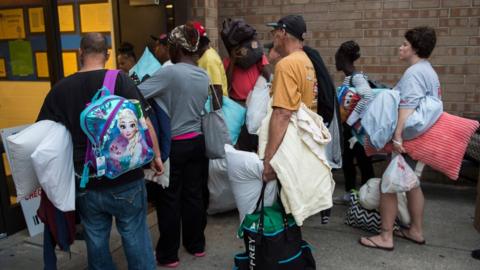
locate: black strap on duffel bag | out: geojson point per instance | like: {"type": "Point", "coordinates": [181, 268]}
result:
{"type": "Point", "coordinates": [281, 249]}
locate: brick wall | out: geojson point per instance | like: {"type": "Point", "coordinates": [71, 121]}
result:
{"type": "Point", "coordinates": [378, 26]}
{"type": "Point", "coordinates": [206, 12]}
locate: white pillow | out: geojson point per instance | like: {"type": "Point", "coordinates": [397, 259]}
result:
{"type": "Point", "coordinates": [221, 196]}
{"type": "Point", "coordinates": [53, 164]}
{"type": "Point", "coordinates": [21, 146]}
{"type": "Point", "coordinates": [245, 171]}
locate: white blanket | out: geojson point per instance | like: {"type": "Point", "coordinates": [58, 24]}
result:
{"type": "Point", "coordinates": [301, 164]}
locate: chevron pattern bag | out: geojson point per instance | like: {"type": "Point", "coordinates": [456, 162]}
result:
{"type": "Point", "coordinates": [359, 217]}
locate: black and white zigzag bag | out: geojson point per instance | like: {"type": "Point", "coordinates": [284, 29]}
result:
{"type": "Point", "coordinates": [359, 217]}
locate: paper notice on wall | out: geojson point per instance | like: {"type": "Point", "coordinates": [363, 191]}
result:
{"type": "Point", "coordinates": [70, 63]}
{"type": "Point", "coordinates": [3, 68]}
{"type": "Point", "coordinates": [111, 60]}
{"type": "Point", "coordinates": [12, 25]}
{"type": "Point", "coordinates": [65, 18]}
{"type": "Point", "coordinates": [96, 17]}
{"type": "Point", "coordinates": [36, 20]}
{"type": "Point", "coordinates": [21, 57]}
{"type": "Point", "coordinates": [41, 61]}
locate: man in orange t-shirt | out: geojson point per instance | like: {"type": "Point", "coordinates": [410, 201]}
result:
{"type": "Point", "coordinates": [294, 82]}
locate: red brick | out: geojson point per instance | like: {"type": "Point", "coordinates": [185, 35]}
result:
{"type": "Point", "coordinates": [400, 14]}
{"type": "Point", "coordinates": [474, 22]}
{"type": "Point", "coordinates": [433, 22]}
{"type": "Point", "coordinates": [368, 24]}
{"type": "Point", "coordinates": [396, 4]}
{"type": "Point", "coordinates": [464, 12]}
{"type": "Point", "coordinates": [378, 33]}
{"type": "Point", "coordinates": [324, 34]}
{"type": "Point", "coordinates": [293, 9]}
{"type": "Point", "coordinates": [449, 60]}
{"type": "Point", "coordinates": [474, 41]}
{"type": "Point", "coordinates": [473, 60]}
{"type": "Point", "coordinates": [425, 3]}
{"type": "Point", "coordinates": [464, 31]}
{"type": "Point", "coordinates": [453, 22]}
{"type": "Point", "coordinates": [395, 23]}
{"type": "Point", "coordinates": [425, 13]}
{"type": "Point", "coordinates": [456, 3]}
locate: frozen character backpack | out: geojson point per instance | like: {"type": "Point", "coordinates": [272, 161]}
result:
{"type": "Point", "coordinates": [117, 135]}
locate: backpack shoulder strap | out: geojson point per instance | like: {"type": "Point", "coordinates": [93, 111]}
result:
{"type": "Point", "coordinates": [110, 79]}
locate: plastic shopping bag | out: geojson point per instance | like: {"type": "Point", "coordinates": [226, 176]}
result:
{"type": "Point", "coordinates": [399, 177]}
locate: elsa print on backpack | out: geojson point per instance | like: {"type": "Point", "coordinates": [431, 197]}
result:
{"type": "Point", "coordinates": [118, 138]}
{"type": "Point", "coordinates": [128, 147]}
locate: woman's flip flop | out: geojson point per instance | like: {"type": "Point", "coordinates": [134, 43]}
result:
{"type": "Point", "coordinates": [374, 245]}
{"type": "Point", "coordinates": [400, 233]}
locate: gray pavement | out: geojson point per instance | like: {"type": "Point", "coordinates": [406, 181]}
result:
{"type": "Point", "coordinates": [448, 231]}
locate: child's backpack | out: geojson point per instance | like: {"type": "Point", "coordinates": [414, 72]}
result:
{"type": "Point", "coordinates": [117, 135]}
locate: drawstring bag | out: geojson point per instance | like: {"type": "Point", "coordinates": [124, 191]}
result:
{"type": "Point", "coordinates": [273, 241]}
{"type": "Point", "coordinates": [215, 131]}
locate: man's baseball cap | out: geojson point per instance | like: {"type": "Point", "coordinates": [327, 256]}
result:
{"type": "Point", "coordinates": [162, 38]}
{"type": "Point", "coordinates": [293, 24]}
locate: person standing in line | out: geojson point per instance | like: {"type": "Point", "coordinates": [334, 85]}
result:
{"type": "Point", "coordinates": [126, 57]}
{"type": "Point", "coordinates": [241, 82]}
{"type": "Point", "coordinates": [160, 49]}
{"type": "Point", "coordinates": [418, 84]}
{"type": "Point", "coordinates": [345, 57]}
{"type": "Point", "coordinates": [183, 89]}
{"type": "Point", "coordinates": [294, 82]}
{"type": "Point", "coordinates": [211, 62]}
{"type": "Point", "coordinates": [123, 198]}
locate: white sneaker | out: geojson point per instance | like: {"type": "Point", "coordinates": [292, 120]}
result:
{"type": "Point", "coordinates": [342, 200]}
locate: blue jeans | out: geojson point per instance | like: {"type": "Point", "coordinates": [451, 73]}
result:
{"type": "Point", "coordinates": [128, 204]}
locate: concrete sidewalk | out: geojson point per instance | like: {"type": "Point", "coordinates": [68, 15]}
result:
{"type": "Point", "coordinates": [448, 231]}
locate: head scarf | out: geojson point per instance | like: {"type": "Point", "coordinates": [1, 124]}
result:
{"type": "Point", "coordinates": [178, 36]}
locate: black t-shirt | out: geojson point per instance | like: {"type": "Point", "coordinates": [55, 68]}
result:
{"type": "Point", "coordinates": [68, 98]}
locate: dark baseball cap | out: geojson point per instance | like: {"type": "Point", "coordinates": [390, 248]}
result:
{"type": "Point", "coordinates": [293, 24]}
{"type": "Point", "coordinates": [162, 38]}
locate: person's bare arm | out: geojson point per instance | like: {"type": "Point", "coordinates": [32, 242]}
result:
{"type": "Point", "coordinates": [157, 164]}
{"type": "Point", "coordinates": [397, 140]}
{"type": "Point", "coordinates": [276, 131]}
